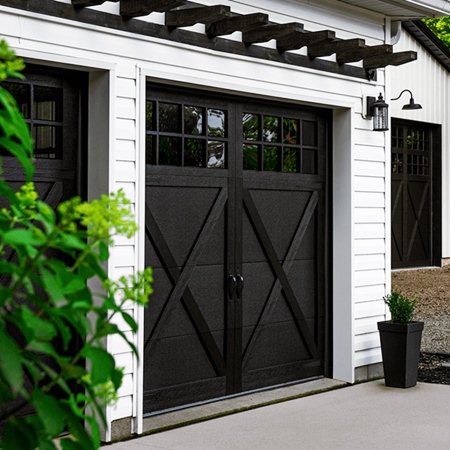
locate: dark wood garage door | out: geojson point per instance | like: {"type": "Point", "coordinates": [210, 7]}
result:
{"type": "Point", "coordinates": [236, 235]}
{"type": "Point", "coordinates": [416, 194]}
{"type": "Point", "coordinates": [52, 102]}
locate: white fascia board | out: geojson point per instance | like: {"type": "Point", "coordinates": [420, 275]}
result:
{"type": "Point", "coordinates": [437, 7]}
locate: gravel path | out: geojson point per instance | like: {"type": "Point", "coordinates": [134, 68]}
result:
{"type": "Point", "coordinates": [432, 289]}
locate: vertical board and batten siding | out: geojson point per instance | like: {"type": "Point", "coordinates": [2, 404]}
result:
{"type": "Point", "coordinates": [430, 86]}
{"type": "Point", "coordinates": [365, 196]}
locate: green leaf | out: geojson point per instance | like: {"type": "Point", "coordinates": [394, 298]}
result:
{"type": "Point", "coordinates": [50, 412]}
{"type": "Point", "coordinates": [5, 392]}
{"type": "Point", "coordinates": [103, 251]}
{"type": "Point", "coordinates": [43, 347]}
{"type": "Point", "coordinates": [102, 364]}
{"type": "Point", "coordinates": [69, 281]}
{"type": "Point", "coordinates": [18, 435]}
{"type": "Point", "coordinates": [10, 361]}
{"type": "Point", "coordinates": [53, 285]}
{"type": "Point", "coordinates": [130, 321]}
{"type": "Point", "coordinates": [21, 237]}
{"type": "Point", "coordinates": [68, 444]}
{"type": "Point", "coordinates": [42, 329]}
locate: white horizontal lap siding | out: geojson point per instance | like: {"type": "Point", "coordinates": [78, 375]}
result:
{"type": "Point", "coordinates": [369, 242]}
{"type": "Point", "coordinates": [125, 257]}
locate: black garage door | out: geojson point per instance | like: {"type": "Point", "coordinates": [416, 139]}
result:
{"type": "Point", "coordinates": [236, 235]}
{"type": "Point", "coordinates": [52, 102]}
{"type": "Point", "coordinates": [416, 195]}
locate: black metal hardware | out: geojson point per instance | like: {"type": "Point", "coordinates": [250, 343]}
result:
{"type": "Point", "coordinates": [231, 285]}
{"type": "Point", "coordinates": [239, 285]}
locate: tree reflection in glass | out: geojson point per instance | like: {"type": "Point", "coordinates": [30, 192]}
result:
{"type": "Point", "coordinates": [216, 123]}
{"type": "Point", "coordinates": [216, 155]}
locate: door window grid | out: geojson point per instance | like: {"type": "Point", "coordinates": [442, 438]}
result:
{"type": "Point", "coordinates": [410, 151]}
{"type": "Point", "coordinates": [279, 144]}
{"type": "Point", "coordinates": [186, 135]}
{"type": "Point", "coordinates": [42, 108]}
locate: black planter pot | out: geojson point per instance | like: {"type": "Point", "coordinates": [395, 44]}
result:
{"type": "Point", "coordinates": [400, 347]}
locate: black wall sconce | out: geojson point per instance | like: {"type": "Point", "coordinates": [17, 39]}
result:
{"type": "Point", "coordinates": [411, 104]}
{"type": "Point", "coordinates": [378, 110]}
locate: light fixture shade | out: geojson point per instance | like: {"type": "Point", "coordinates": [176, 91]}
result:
{"type": "Point", "coordinates": [380, 114]}
{"type": "Point", "coordinates": [412, 105]}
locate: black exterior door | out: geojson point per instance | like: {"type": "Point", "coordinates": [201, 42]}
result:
{"type": "Point", "coordinates": [51, 100]}
{"type": "Point", "coordinates": [416, 194]}
{"type": "Point", "coordinates": [236, 235]}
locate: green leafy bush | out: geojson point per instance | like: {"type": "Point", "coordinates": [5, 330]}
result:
{"type": "Point", "coordinates": [56, 376]}
{"type": "Point", "coordinates": [401, 308]}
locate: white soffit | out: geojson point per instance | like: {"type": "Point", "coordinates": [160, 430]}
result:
{"type": "Point", "coordinates": [404, 9]}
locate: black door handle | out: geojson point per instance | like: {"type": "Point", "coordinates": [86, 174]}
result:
{"type": "Point", "coordinates": [239, 285]}
{"type": "Point", "coordinates": [231, 285]}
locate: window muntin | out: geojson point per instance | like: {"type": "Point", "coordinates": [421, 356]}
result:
{"type": "Point", "coordinates": [186, 135]}
{"type": "Point", "coordinates": [279, 144]}
{"type": "Point", "coordinates": [42, 108]}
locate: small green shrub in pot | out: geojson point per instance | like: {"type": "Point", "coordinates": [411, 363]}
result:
{"type": "Point", "coordinates": [401, 308]}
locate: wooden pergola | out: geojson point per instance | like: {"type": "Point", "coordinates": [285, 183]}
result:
{"type": "Point", "coordinates": [219, 22]}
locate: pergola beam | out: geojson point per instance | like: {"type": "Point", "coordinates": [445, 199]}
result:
{"type": "Point", "coordinates": [190, 16]}
{"type": "Point", "coordinates": [297, 40]}
{"type": "Point", "coordinates": [237, 23]}
{"type": "Point", "coordinates": [138, 8]}
{"type": "Point", "coordinates": [361, 53]}
{"type": "Point", "coordinates": [390, 59]}
{"type": "Point", "coordinates": [84, 3]}
{"type": "Point", "coordinates": [268, 32]}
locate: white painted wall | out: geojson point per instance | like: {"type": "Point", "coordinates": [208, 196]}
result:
{"type": "Point", "coordinates": [430, 84]}
{"type": "Point", "coordinates": [360, 206]}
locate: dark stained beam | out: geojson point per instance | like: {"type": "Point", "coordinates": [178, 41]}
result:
{"type": "Point", "coordinates": [354, 55]}
{"type": "Point", "coordinates": [327, 48]}
{"type": "Point", "coordinates": [84, 3]}
{"type": "Point", "coordinates": [389, 59]}
{"type": "Point", "coordinates": [297, 40]}
{"type": "Point", "coordinates": [190, 16]}
{"type": "Point", "coordinates": [237, 23]}
{"type": "Point", "coordinates": [138, 8]}
{"type": "Point", "coordinates": [268, 32]}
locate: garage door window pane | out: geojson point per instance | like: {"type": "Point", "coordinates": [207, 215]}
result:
{"type": "Point", "coordinates": [150, 116]}
{"type": "Point", "coordinates": [47, 142]}
{"type": "Point", "coordinates": [169, 118]}
{"type": "Point", "coordinates": [290, 131]}
{"type": "Point", "coordinates": [216, 155]}
{"type": "Point", "coordinates": [193, 120]}
{"type": "Point", "coordinates": [290, 160]}
{"type": "Point", "coordinates": [193, 153]}
{"type": "Point", "coordinates": [309, 133]}
{"type": "Point", "coordinates": [47, 104]}
{"type": "Point", "coordinates": [250, 124]}
{"type": "Point", "coordinates": [216, 123]}
{"type": "Point", "coordinates": [270, 130]}
{"type": "Point", "coordinates": [251, 157]}
{"type": "Point", "coordinates": [272, 159]}
{"type": "Point", "coordinates": [169, 151]}
{"type": "Point", "coordinates": [21, 94]}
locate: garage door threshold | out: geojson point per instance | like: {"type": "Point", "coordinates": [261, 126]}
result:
{"type": "Point", "coordinates": [230, 405]}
